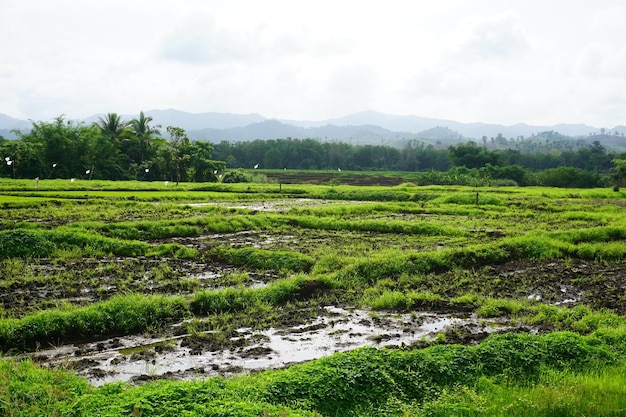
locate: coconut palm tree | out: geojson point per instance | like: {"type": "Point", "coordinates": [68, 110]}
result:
{"type": "Point", "coordinates": [143, 131]}
{"type": "Point", "coordinates": [111, 126]}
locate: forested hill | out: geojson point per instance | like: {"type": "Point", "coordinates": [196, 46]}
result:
{"type": "Point", "coordinates": [364, 128]}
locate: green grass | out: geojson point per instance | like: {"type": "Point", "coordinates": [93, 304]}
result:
{"type": "Point", "coordinates": [404, 248]}
{"type": "Point", "coordinates": [117, 316]}
{"type": "Point", "coordinates": [513, 374]}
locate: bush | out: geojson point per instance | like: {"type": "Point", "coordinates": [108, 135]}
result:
{"type": "Point", "coordinates": [236, 176]}
{"type": "Point", "coordinates": [22, 243]}
{"type": "Point", "coordinates": [570, 177]}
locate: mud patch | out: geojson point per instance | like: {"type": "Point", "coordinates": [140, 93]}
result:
{"type": "Point", "coordinates": [187, 356]}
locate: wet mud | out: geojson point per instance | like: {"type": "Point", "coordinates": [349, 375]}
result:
{"type": "Point", "coordinates": [191, 355]}
{"type": "Point", "coordinates": [178, 353]}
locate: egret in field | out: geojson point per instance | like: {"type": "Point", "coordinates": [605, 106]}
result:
{"type": "Point", "coordinates": [166, 182]}
{"type": "Point", "coordinates": [215, 172]}
{"type": "Point", "coordinates": [256, 166]}
{"type": "Point", "coordinates": [72, 179]}
{"type": "Point", "coordinates": [146, 170]}
{"type": "Point", "coordinates": [339, 169]}
{"type": "Point", "coordinates": [8, 158]}
{"type": "Point", "coordinates": [54, 165]}
{"type": "Point", "coordinates": [9, 162]}
{"type": "Point", "coordinates": [87, 172]}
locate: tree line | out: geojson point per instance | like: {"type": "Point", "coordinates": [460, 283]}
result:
{"type": "Point", "coordinates": [118, 150]}
{"type": "Point", "coordinates": [109, 149]}
{"type": "Point", "coordinates": [588, 165]}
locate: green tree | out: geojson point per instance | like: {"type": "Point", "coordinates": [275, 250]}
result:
{"type": "Point", "coordinates": [112, 127]}
{"type": "Point", "coordinates": [203, 168]}
{"type": "Point", "coordinates": [61, 143]}
{"type": "Point", "coordinates": [569, 177]}
{"type": "Point", "coordinates": [470, 155]}
{"type": "Point", "coordinates": [143, 132]}
{"type": "Point", "coordinates": [177, 154]}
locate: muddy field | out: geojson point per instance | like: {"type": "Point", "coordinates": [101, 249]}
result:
{"type": "Point", "coordinates": [302, 332]}
{"type": "Point", "coordinates": [323, 320]}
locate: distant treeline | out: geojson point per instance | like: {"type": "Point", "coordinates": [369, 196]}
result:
{"type": "Point", "coordinates": [585, 166]}
{"type": "Point", "coordinates": [415, 156]}
{"type": "Point", "coordinates": [115, 149]}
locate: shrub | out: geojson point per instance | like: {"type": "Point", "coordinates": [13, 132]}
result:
{"type": "Point", "coordinates": [236, 176]}
{"type": "Point", "coordinates": [22, 243]}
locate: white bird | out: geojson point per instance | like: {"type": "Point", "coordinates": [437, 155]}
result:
{"type": "Point", "coordinates": [147, 170]}
{"type": "Point", "coordinates": [54, 165]}
{"type": "Point", "coordinates": [8, 158]}
{"type": "Point", "coordinates": [256, 166]}
{"type": "Point", "coordinates": [166, 182]}
{"type": "Point", "coordinates": [88, 171]}
{"type": "Point", "coordinates": [72, 179]}
{"type": "Point", "coordinates": [215, 172]}
{"type": "Point", "coordinates": [9, 163]}
{"type": "Point", "coordinates": [339, 169]}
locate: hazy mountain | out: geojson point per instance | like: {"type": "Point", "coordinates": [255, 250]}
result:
{"type": "Point", "coordinates": [274, 129]}
{"type": "Point", "coordinates": [8, 123]}
{"type": "Point", "coordinates": [367, 127]}
{"type": "Point", "coordinates": [190, 121]}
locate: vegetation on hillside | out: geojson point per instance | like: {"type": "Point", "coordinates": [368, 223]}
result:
{"type": "Point", "coordinates": [115, 149]}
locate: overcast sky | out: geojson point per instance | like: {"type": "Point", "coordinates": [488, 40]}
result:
{"type": "Point", "coordinates": [492, 61]}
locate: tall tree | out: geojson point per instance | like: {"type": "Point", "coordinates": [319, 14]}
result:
{"type": "Point", "coordinates": [143, 132]}
{"type": "Point", "coordinates": [177, 153]}
{"type": "Point", "coordinates": [112, 126]}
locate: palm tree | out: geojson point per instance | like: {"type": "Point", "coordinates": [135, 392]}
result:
{"type": "Point", "coordinates": [143, 131]}
{"type": "Point", "coordinates": [111, 126]}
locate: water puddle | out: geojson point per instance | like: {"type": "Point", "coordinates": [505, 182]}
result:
{"type": "Point", "coordinates": [276, 205]}
{"type": "Point", "coordinates": [190, 356]}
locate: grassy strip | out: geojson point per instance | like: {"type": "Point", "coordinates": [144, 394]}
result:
{"type": "Point", "coordinates": [365, 379]}
{"type": "Point", "coordinates": [392, 264]}
{"type": "Point", "coordinates": [376, 226]}
{"type": "Point", "coordinates": [242, 299]}
{"type": "Point", "coordinates": [135, 313]}
{"type": "Point", "coordinates": [223, 223]}
{"type": "Point", "coordinates": [64, 241]}
{"type": "Point", "coordinates": [600, 392]}
{"type": "Point", "coordinates": [117, 316]}
{"type": "Point", "coordinates": [263, 259]}
{"type": "Point", "coordinates": [28, 390]}
{"type": "Point", "coordinates": [504, 372]}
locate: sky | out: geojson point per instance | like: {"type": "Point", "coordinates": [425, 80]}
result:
{"type": "Point", "coordinates": [492, 61]}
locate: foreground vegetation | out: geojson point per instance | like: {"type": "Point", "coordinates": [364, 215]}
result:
{"type": "Point", "coordinates": [89, 260]}
{"type": "Point", "coordinates": [557, 374]}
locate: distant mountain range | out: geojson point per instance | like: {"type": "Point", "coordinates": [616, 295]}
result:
{"type": "Point", "coordinates": [368, 127]}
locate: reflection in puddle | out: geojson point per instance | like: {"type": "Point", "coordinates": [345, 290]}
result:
{"type": "Point", "coordinates": [339, 329]}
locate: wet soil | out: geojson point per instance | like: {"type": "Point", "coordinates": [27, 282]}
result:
{"type": "Point", "coordinates": [295, 334]}
{"type": "Point", "coordinates": [47, 284]}
{"type": "Point", "coordinates": [299, 334]}
{"type": "Point", "coordinates": [562, 282]}
{"type": "Point", "coordinates": [190, 355]}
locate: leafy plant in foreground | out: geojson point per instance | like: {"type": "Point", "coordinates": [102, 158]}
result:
{"type": "Point", "coordinates": [22, 243]}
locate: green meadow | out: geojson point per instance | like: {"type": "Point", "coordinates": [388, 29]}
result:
{"type": "Point", "coordinates": [91, 261]}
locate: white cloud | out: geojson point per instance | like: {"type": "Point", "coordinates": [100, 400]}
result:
{"type": "Point", "coordinates": [491, 61]}
{"type": "Point", "coordinates": [497, 36]}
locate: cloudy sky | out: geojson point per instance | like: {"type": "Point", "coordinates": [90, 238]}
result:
{"type": "Point", "coordinates": [492, 61]}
